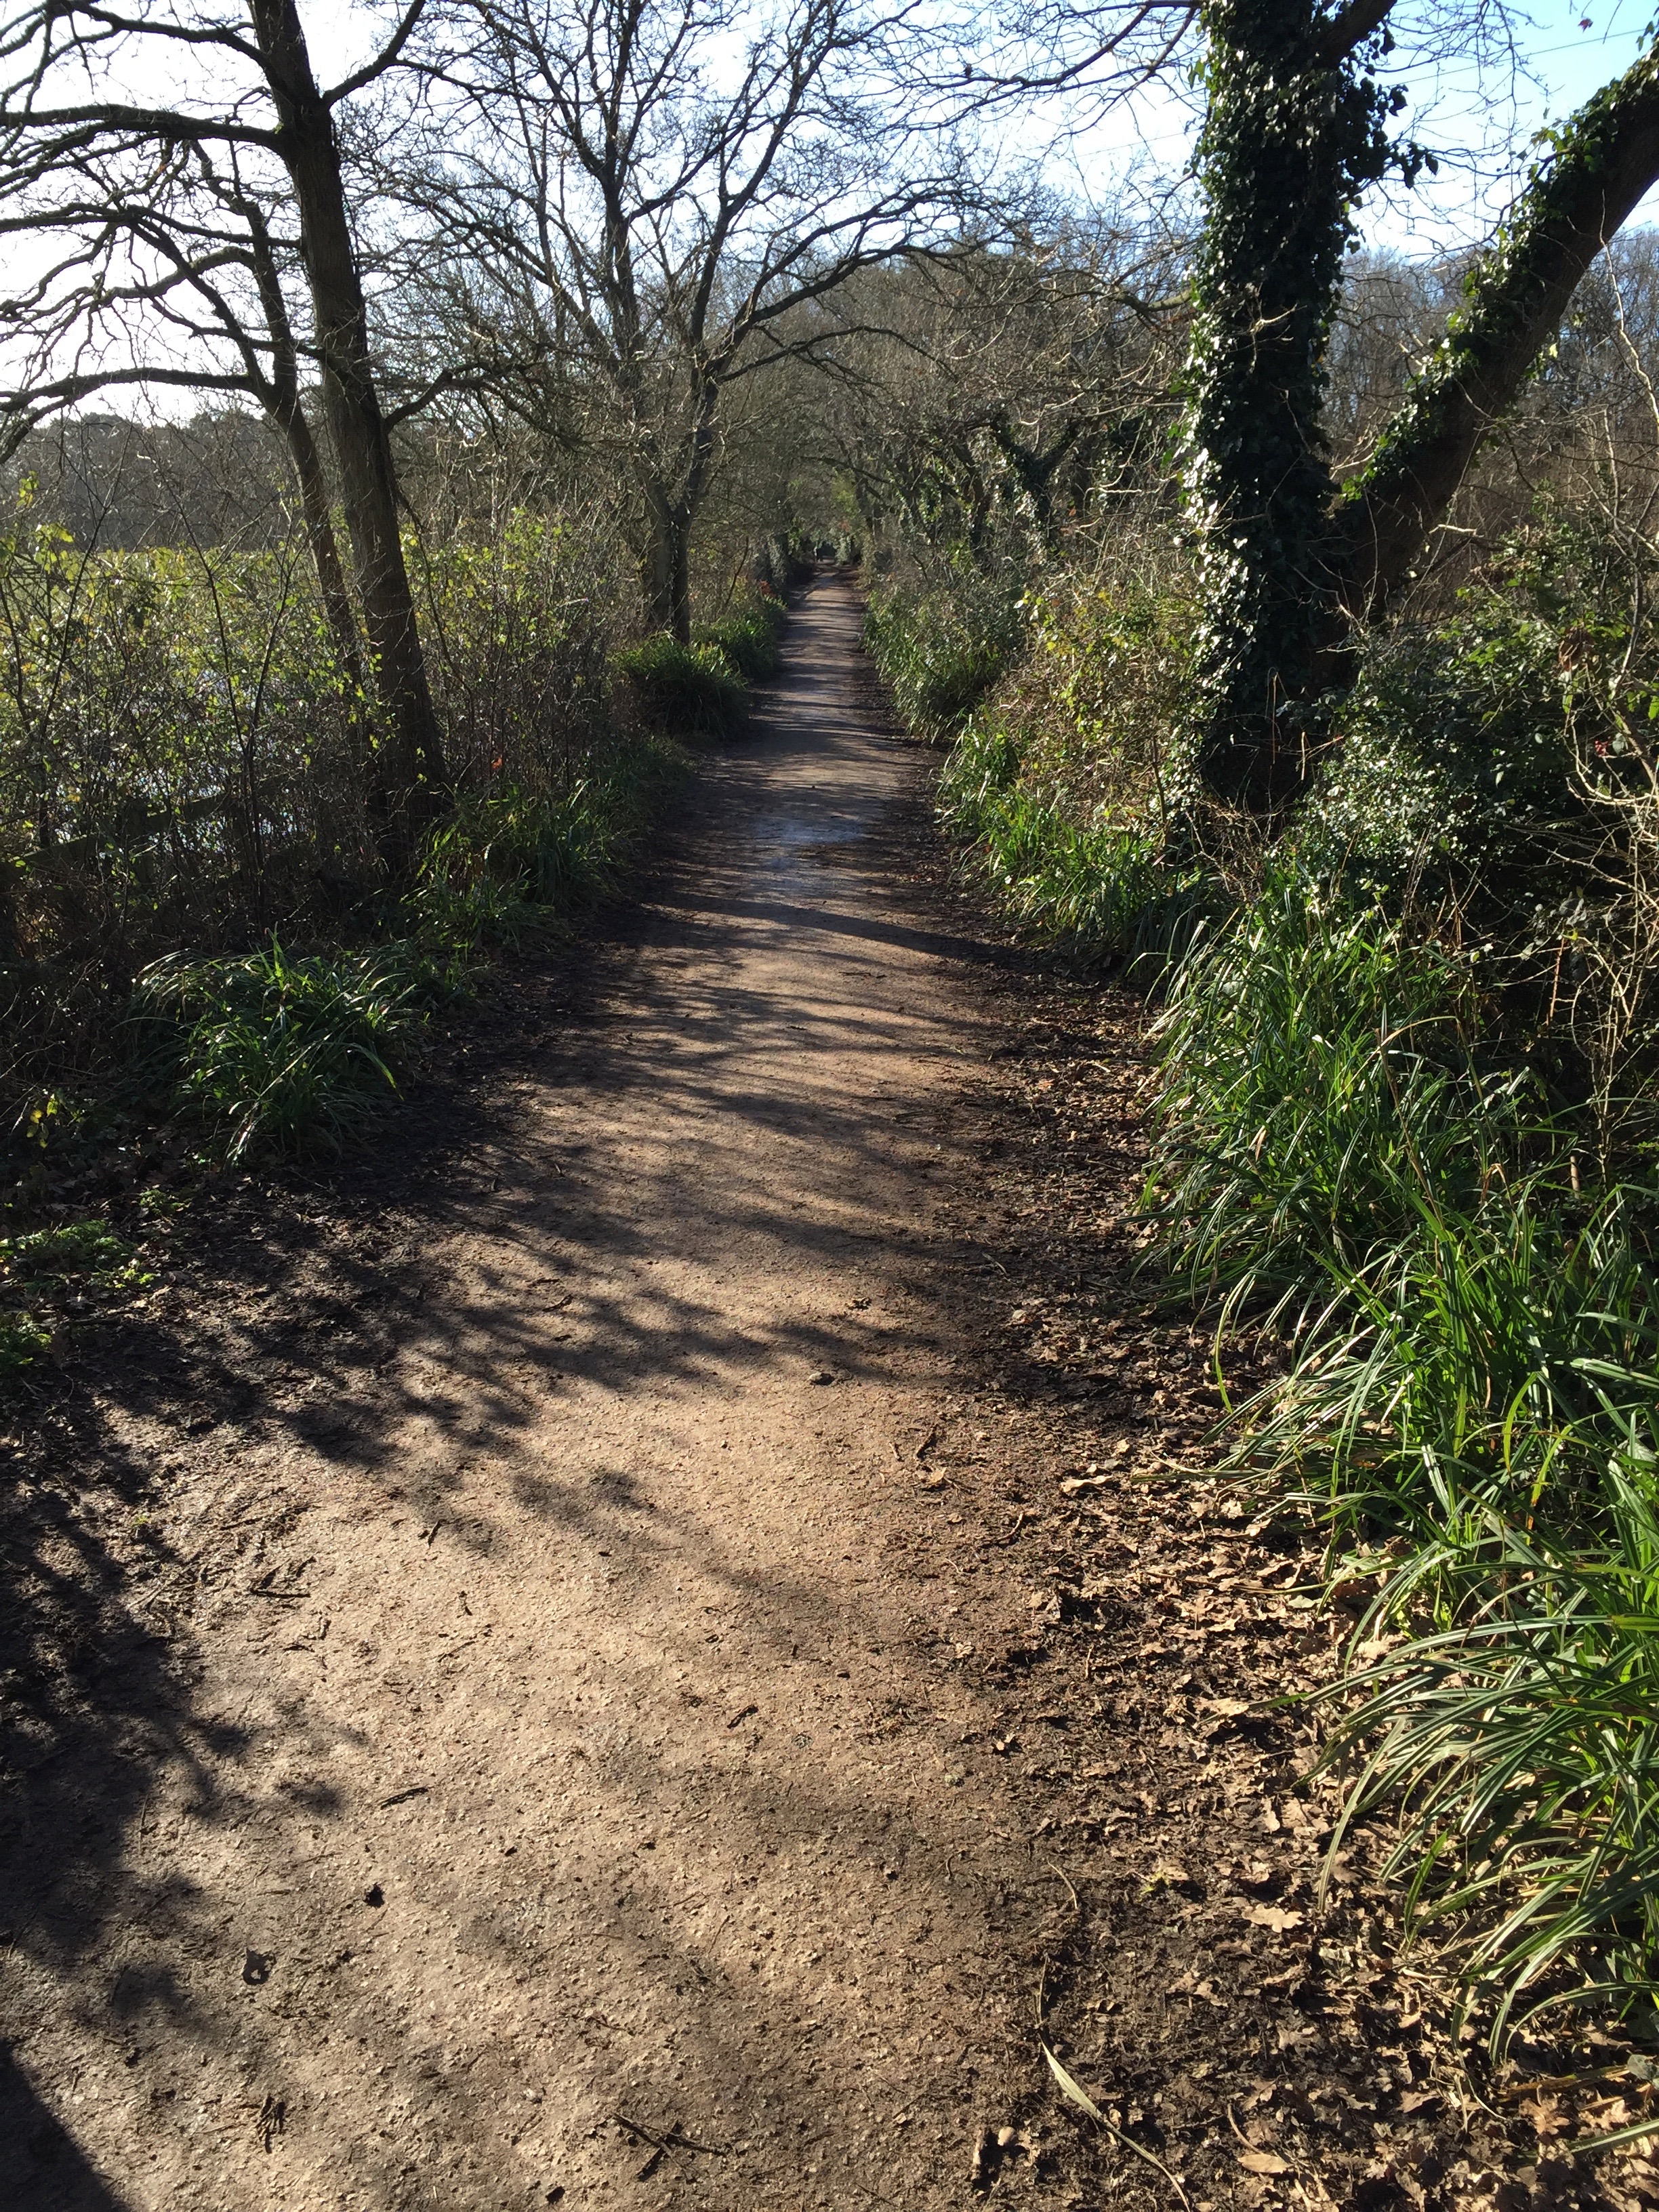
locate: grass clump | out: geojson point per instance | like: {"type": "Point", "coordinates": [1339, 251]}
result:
{"type": "Point", "coordinates": [940, 649]}
{"type": "Point", "coordinates": [1322, 1083]}
{"type": "Point", "coordinates": [507, 861]}
{"type": "Point", "coordinates": [1469, 1409]}
{"type": "Point", "coordinates": [291, 1053]}
{"type": "Point", "coordinates": [1518, 1750]}
{"type": "Point", "coordinates": [748, 634]}
{"type": "Point", "coordinates": [1084, 889]}
{"type": "Point", "coordinates": [691, 690]}
{"type": "Point", "coordinates": [1055, 784]}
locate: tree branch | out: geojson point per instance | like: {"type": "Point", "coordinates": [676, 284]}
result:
{"type": "Point", "coordinates": [1350, 28]}
{"type": "Point", "coordinates": [1604, 161]}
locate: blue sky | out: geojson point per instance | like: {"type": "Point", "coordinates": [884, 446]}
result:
{"type": "Point", "coordinates": [1496, 112]}
{"type": "Point", "coordinates": [1481, 115]}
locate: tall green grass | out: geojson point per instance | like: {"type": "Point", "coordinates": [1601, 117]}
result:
{"type": "Point", "coordinates": [748, 633]}
{"type": "Point", "coordinates": [1517, 1749]}
{"type": "Point", "coordinates": [941, 649]}
{"type": "Point", "coordinates": [507, 860]}
{"type": "Point", "coordinates": [1095, 890]}
{"type": "Point", "coordinates": [1469, 1408]}
{"type": "Point", "coordinates": [1322, 1083]}
{"type": "Point", "coordinates": [690, 690]}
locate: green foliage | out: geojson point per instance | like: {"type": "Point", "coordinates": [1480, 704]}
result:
{"type": "Point", "coordinates": [184, 764]}
{"type": "Point", "coordinates": [291, 1053]}
{"type": "Point", "coordinates": [72, 1266]}
{"type": "Point", "coordinates": [22, 1339]}
{"type": "Point", "coordinates": [940, 649]}
{"type": "Point", "coordinates": [748, 634]}
{"type": "Point", "coordinates": [1464, 740]}
{"type": "Point", "coordinates": [1087, 890]}
{"type": "Point", "coordinates": [517, 656]}
{"type": "Point", "coordinates": [691, 690]}
{"type": "Point", "coordinates": [1522, 1747]}
{"type": "Point", "coordinates": [1055, 782]}
{"type": "Point", "coordinates": [1320, 1077]}
{"type": "Point", "coordinates": [54, 1257]}
{"type": "Point", "coordinates": [507, 860]}
{"type": "Point", "coordinates": [1472, 1340]}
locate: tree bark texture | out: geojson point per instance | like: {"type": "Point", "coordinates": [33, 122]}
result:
{"type": "Point", "coordinates": [1292, 134]}
{"type": "Point", "coordinates": [1289, 567]}
{"type": "Point", "coordinates": [280, 394]}
{"type": "Point", "coordinates": [409, 788]}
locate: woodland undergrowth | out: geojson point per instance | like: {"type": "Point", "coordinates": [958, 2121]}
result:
{"type": "Point", "coordinates": [204, 958]}
{"type": "Point", "coordinates": [1405, 1141]}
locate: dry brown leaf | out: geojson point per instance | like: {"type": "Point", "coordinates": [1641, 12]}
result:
{"type": "Point", "coordinates": [1279, 1917]}
{"type": "Point", "coordinates": [1261, 2161]}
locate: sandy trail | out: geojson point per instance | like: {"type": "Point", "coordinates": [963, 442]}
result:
{"type": "Point", "coordinates": [588, 1741]}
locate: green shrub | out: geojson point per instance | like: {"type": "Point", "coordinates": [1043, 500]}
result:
{"type": "Point", "coordinates": [692, 690]}
{"type": "Point", "coordinates": [749, 636]}
{"type": "Point", "coordinates": [1086, 890]}
{"type": "Point", "coordinates": [1465, 745]}
{"type": "Point", "coordinates": [941, 649]}
{"type": "Point", "coordinates": [1479, 1364]}
{"type": "Point", "coordinates": [183, 755]}
{"type": "Point", "coordinates": [55, 1257]}
{"type": "Point", "coordinates": [289, 1053]}
{"type": "Point", "coordinates": [506, 860]}
{"type": "Point", "coordinates": [1055, 781]}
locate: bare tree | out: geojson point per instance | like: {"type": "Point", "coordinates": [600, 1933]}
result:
{"type": "Point", "coordinates": [1004, 389]}
{"type": "Point", "coordinates": [644, 197]}
{"type": "Point", "coordinates": [195, 255]}
{"type": "Point", "coordinates": [260, 105]}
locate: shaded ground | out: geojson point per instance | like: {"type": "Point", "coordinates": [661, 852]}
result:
{"type": "Point", "coordinates": [618, 1651]}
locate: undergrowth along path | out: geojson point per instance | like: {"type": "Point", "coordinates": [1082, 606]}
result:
{"type": "Point", "coordinates": [646, 1667]}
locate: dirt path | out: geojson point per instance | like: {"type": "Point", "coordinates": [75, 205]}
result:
{"type": "Point", "coordinates": [617, 1650]}
{"type": "Point", "coordinates": [574, 1741]}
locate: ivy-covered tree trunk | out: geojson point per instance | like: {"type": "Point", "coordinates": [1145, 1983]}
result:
{"type": "Point", "coordinates": [1600, 165]}
{"type": "Point", "coordinates": [1294, 131]}
{"type": "Point", "coordinates": [1290, 567]}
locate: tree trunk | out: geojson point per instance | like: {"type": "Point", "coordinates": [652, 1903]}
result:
{"type": "Point", "coordinates": [1606, 159]}
{"type": "Point", "coordinates": [657, 558]}
{"type": "Point", "coordinates": [1288, 570]}
{"type": "Point", "coordinates": [679, 582]}
{"type": "Point", "coordinates": [665, 565]}
{"type": "Point", "coordinates": [1293, 132]}
{"type": "Point", "coordinates": [307, 466]}
{"type": "Point", "coordinates": [413, 780]}
{"type": "Point", "coordinates": [280, 392]}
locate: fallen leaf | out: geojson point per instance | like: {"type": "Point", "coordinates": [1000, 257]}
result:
{"type": "Point", "coordinates": [1086, 2102]}
{"type": "Point", "coordinates": [1276, 1916]}
{"type": "Point", "coordinates": [1261, 2161]}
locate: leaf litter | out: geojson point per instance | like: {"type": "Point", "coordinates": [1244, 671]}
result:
{"type": "Point", "coordinates": [1216, 1958]}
